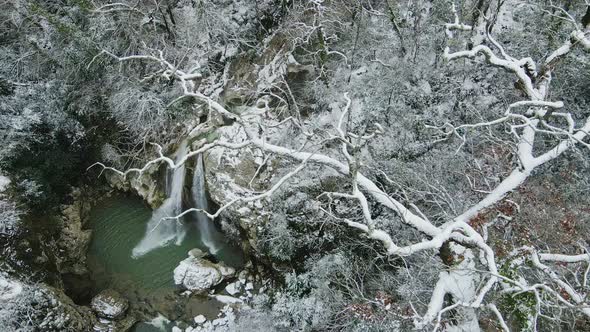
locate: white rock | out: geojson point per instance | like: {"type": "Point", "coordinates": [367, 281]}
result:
{"type": "Point", "coordinates": [197, 274]}
{"type": "Point", "coordinates": [200, 319]}
{"type": "Point", "coordinates": [232, 289]}
{"type": "Point", "coordinates": [176, 329]}
{"type": "Point", "coordinates": [249, 286]}
{"type": "Point", "coordinates": [226, 299]}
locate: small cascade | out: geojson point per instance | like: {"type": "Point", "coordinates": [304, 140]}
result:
{"type": "Point", "coordinates": [209, 235]}
{"type": "Point", "coordinates": [161, 232]}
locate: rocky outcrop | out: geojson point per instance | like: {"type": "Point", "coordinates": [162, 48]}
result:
{"type": "Point", "coordinates": [73, 240]}
{"type": "Point", "coordinates": [198, 274]}
{"type": "Point", "coordinates": [231, 174]}
{"type": "Point", "coordinates": [63, 314]}
{"type": "Point", "coordinates": [147, 185]}
{"type": "Point", "coordinates": [251, 73]}
{"type": "Point", "coordinates": [42, 308]}
{"type": "Point", "coordinates": [109, 304]}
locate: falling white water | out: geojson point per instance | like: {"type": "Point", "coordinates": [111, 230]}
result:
{"type": "Point", "coordinates": [161, 232]}
{"type": "Point", "coordinates": [205, 225]}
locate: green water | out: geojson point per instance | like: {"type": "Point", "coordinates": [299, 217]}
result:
{"type": "Point", "coordinates": [118, 223]}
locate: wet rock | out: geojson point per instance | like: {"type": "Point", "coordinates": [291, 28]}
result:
{"type": "Point", "coordinates": [126, 323]}
{"type": "Point", "coordinates": [197, 253]}
{"type": "Point", "coordinates": [109, 304]}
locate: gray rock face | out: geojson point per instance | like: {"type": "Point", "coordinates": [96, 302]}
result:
{"type": "Point", "coordinates": [109, 304]}
{"type": "Point", "coordinates": [198, 275]}
{"type": "Point", "coordinates": [73, 240]}
{"type": "Point", "coordinates": [146, 186]}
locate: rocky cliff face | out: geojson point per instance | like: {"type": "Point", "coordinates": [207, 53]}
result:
{"type": "Point", "coordinates": [147, 185]}
{"type": "Point", "coordinates": [73, 239]}
{"type": "Point", "coordinates": [231, 175]}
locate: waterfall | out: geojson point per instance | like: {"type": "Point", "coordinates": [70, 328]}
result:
{"type": "Point", "coordinates": [159, 232]}
{"type": "Point", "coordinates": [209, 236]}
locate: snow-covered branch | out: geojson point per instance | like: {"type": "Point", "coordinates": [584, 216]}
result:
{"type": "Point", "coordinates": [464, 240]}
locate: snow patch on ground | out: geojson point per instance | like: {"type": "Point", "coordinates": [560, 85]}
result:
{"type": "Point", "coordinates": [4, 182]}
{"type": "Point", "coordinates": [9, 289]}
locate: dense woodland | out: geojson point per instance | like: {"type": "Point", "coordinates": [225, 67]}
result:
{"type": "Point", "coordinates": [386, 165]}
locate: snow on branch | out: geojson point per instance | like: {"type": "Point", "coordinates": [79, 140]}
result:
{"type": "Point", "coordinates": [456, 25]}
{"type": "Point", "coordinates": [465, 239]}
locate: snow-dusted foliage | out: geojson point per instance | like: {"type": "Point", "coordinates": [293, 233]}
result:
{"type": "Point", "coordinates": [424, 154]}
{"type": "Point", "coordinates": [26, 307]}
{"type": "Point", "coordinates": [393, 165]}
{"type": "Point", "coordinates": [9, 217]}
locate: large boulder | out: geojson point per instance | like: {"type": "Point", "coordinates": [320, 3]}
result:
{"type": "Point", "coordinates": [198, 274]}
{"type": "Point", "coordinates": [109, 304]}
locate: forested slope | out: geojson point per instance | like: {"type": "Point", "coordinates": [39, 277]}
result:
{"type": "Point", "coordinates": [384, 165]}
